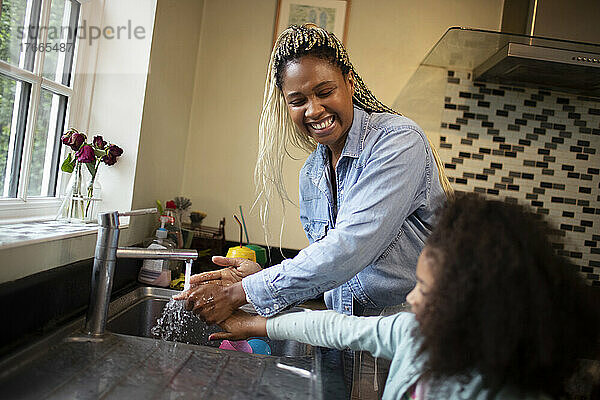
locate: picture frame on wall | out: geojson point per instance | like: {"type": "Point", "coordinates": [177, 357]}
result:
{"type": "Point", "coordinates": [331, 15]}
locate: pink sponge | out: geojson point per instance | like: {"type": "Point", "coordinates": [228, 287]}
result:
{"type": "Point", "coordinates": [237, 345]}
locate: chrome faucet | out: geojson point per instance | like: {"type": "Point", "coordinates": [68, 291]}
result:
{"type": "Point", "coordinates": [105, 258]}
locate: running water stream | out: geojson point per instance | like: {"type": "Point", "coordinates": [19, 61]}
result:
{"type": "Point", "coordinates": [188, 273]}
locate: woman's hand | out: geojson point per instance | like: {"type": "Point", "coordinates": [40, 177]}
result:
{"type": "Point", "coordinates": [214, 295]}
{"type": "Point", "coordinates": [241, 325]}
{"type": "Point", "coordinates": [213, 303]}
{"type": "Point", "coordinates": [238, 269]}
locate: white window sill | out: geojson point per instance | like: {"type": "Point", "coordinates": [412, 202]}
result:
{"type": "Point", "coordinates": [31, 247]}
{"type": "Point", "coordinates": [28, 233]}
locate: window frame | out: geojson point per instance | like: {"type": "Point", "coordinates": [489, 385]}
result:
{"type": "Point", "coordinates": [23, 207]}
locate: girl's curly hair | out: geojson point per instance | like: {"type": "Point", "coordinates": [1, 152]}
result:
{"type": "Point", "coordinates": [504, 304]}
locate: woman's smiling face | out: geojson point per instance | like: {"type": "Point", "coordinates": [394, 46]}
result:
{"type": "Point", "coordinates": [319, 99]}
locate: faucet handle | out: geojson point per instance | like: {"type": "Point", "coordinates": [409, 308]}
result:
{"type": "Point", "coordinates": [143, 211]}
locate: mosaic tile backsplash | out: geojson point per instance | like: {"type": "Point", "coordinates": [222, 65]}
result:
{"type": "Point", "coordinates": [531, 146]}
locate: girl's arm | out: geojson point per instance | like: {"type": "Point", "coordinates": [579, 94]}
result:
{"type": "Point", "coordinates": [241, 325]}
{"type": "Point", "coordinates": [380, 336]}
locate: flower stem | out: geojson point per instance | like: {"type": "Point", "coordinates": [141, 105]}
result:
{"type": "Point", "coordinates": [79, 190]}
{"type": "Point", "coordinates": [90, 189]}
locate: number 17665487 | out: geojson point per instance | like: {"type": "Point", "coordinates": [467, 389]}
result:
{"type": "Point", "coordinates": [46, 47]}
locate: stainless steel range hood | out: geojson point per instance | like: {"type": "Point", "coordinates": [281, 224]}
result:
{"type": "Point", "coordinates": [518, 59]}
{"type": "Point", "coordinates": [531, 65]}
{"type": "Point", "coordinates": [556, 54]}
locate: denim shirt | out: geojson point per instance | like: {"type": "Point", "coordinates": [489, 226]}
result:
{"type": "Point", "coordinates": [387, 192]}
{"type": "Point", "coordinates": [395, 338]}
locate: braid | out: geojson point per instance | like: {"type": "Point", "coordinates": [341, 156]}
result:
{"type": "Point", "coordinates": [309, 39]}
{"type": "Point", "coordinates": [276, 128]}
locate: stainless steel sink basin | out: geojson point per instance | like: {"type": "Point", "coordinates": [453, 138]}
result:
{"type": "Point", "coordinates": [127, 364]}
{"type": "Point", "coordinates": [136, 314]}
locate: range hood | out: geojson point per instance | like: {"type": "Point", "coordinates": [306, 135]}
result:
{"type": "Point", "coordinates": [556, 68]}
{"type": "Point", "coordinates": [542, 59]}
{"type": "Point", "coordinates": [522, 60]}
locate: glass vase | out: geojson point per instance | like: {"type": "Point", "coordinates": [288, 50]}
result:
{"type": "Point", "coordinates": [81, 202]}
{"type": "Point", "coordinates": [93, 191]}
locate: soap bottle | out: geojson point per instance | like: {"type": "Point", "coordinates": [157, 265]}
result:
{"type": "Point", "coordinates": [173, 227]}
{"type": "Point", "coordinates": [158, 272]}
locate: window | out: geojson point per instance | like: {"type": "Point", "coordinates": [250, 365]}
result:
{"type": "Point", "coordinates": [37, 52]}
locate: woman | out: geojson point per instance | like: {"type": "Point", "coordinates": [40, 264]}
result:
{"type": "Point", "coordinates": [362, 245]}
{"type": "Point", "coordinates": [368, 190]}
{"type": "Point", "coordinates": [497, 315]}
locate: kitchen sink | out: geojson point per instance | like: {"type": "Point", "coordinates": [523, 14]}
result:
{"type": "Point", "coordinates": [130, 362]}
{"type": "Point", "coordinates": [136, 313]}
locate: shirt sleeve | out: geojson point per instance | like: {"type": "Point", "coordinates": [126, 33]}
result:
{"type": "Point", "coordinates": [381, 336]}
{"type": "Point", "coordinates": [392, 185]}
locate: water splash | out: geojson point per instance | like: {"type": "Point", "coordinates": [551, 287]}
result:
{"type": "Point", "coordinates": [178, 325]}
{"type": "Point", "coordinates": [175, 322]}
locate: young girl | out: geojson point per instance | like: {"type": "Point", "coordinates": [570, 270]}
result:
{"type": "Point", "coordinates": [495, 313]}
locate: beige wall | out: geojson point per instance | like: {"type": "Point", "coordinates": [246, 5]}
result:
{"type": "Point", "coordinates": [222, 145]}
{"type": "Point", "coordinates": [386, 40]}
{"type": "Point", "coordinates": [167, 106]}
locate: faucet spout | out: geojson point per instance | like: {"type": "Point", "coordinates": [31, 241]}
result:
{"type": "Point", "coordinates": [105, 258]}
{"type": "Point", "coordinates": [164, 254]}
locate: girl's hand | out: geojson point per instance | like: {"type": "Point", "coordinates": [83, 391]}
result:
{"type": "Point", "coordinates": [241, 325]}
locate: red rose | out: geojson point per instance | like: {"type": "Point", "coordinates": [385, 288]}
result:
{"type": "Point", "coordinates": [108, 159]}
{"type": "Point", "coordinates": [76, 140]}
{"type": "Point", "coordinates": [114, 150]}
{"type": "Point", "coordinates": [86, 154]}
{"type": "Point", "coordinates": [171, 204]}
{"type": "Point", "coordinates": [99, 142]}
{"type": "Point", "coordinates": [66, 137]}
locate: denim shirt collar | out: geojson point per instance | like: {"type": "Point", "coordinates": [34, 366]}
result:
{"type": "Point", "coordinates": [352, 148]}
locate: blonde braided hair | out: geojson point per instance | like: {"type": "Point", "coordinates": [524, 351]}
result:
{"type": "Point", "coordinates": [276, 128]}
